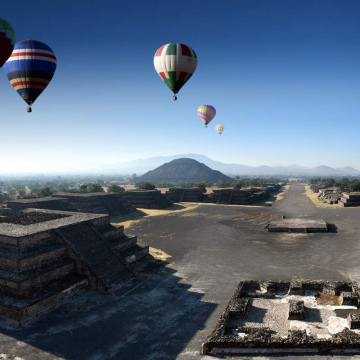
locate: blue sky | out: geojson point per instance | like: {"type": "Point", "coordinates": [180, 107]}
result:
{"type": "Point", "coordinates": [283, 75]}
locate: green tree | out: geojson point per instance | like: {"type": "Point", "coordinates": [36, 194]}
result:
{"type": "Point", "coordinates": [237, 186]}
{"type": "Point", "coordinates": [355, 185]}
{"type": "Point", "coordinates": [146, 186]}
{"type": "Point", "coordinates": [95, 187]}
{"type": "Point", "coordinates": [35, 190]}
{"type": "Point", "coordinates": [329, 182]}
{"type": "Point", "coordinates": [45, 191]}
{"type": "Point", "coordinates": [83, 188]}
{"type": "Point", "coordinates": [22, 192]}
{"type": "Point", "coordinates": [115, 188]}
{"type": "Point", "coordinates": [11, 192]}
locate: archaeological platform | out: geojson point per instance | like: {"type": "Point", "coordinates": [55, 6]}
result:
{"type": "Point", "coordinates": [289, 317]}
{"type": "Point", "coordinates": [47, 255]}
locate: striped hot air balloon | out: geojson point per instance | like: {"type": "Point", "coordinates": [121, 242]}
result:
{"type": "Point", "coordinates": [175, 63]}
{"type": "Point", "coordinates": [7, 41]}
{"type": "Point", "coordinates": [206, 113]}
{"type": "Point", "coordinates": [30, 68]}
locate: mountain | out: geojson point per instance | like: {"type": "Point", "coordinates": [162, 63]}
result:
{"type": "Point", "coordinates": [325, 170]}
{"type": "Point", "coordinates": [348, 169]}
{"type": "Point", "coordinates": [141, 166]}
{"type": "Point", "coordinates": [183, 169]}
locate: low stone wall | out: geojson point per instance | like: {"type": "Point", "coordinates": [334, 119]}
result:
{"type": "Point", "coordinates": [261, 340]}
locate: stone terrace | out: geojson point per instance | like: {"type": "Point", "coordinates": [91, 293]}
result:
{"type": "Point", "coordinates": [148, 199]}
{"type": "Point", "coordinates": [96, 203]}
{"type": "Point", "coordinates": [36, 203]}
{"type": "Point", "coordinates": [48, 255]}
{"type": "Point", "coordinates": [185, 195]}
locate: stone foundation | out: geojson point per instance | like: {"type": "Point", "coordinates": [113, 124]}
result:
{"type": "Point", "coordinates": [285, 321]}
{"type": "Point", "coordinates": [300, 225]}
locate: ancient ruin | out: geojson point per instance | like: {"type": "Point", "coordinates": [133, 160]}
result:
{"type": "Point", "coordinates": [291, 317]}
{"type": "Point", "coordinates": [185, 195]}
{"type": "Point", "coordinates": [299, 225]}
{"type": "Point", "coordinates": [94, 203]}
{"type": "Point", "coordinates": [184, 170]}
{"type": "Point", "coordinates": [97, 203]}
{"type": "Point", "coordinates": [350, 199]}
{"type": "Point", "coordinates": [147, 199]}
{"type": "Point", "coordinates": [223, 196]}
{"type": "Point", "coordinates": [336, 196]}
{"type": "Point", "coordinates": [47, 255]}
{"type": "Point", "coordinates": [48, 203]}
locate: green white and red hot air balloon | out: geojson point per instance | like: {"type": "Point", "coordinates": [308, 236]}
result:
{"type": "Point", "coordinates": [175, 63]}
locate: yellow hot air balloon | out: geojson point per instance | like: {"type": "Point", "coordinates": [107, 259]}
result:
{"type": "Point", "coordinates": [219, 129]}
{"type": "Point", "coordinates": [206, 113]}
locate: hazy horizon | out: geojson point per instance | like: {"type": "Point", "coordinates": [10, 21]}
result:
{"type": "Point", "coordinates": [282, 75]}
{"type": "Point", "coordinates": [121, 167]}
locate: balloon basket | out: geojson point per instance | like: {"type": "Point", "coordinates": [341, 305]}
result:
{"type": "Point", "coordinates": [174, 97]}
{"type": "Point", "coordinates": [29, 109]}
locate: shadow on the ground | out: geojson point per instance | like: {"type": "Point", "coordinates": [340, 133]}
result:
{"type": "Point", "coordinates": [134, 215]}
{"type": "Point", "coordinates": [176, 207]}
{"type": "Point", "coordinates": [312, 315]}
{"type": "Point", "coordinates": [154, 317]}
{"type": "Point", "coordinates": [332, 228]}
{"type": "Point", "coordinates": [273, 196]}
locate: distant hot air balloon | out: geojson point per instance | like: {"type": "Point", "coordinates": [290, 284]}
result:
{"type": "Point", "coordinates": [7, 41]}
{"type": "Point", "coordinates": [175, 63]}
{"type": "Point", "coordinates": [206, 113]}
{"type": "Point", "coordinates": [219, 129]}
{"type": "Point", "coordinates": [30, 68]}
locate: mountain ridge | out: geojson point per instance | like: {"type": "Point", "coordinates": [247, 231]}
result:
{"type": "Point", "coordinates": [141, 166]}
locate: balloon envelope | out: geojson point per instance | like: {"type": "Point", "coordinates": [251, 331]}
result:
{"type": "Point", "coordinates": [206, 113]}
{"type": "Point", "coordinates": [219, 129]}
{"type": "Point", "coordinates": [30, 68]}
{"type": "Point", "coordinates": [175, 63]}
{"type": "Point", "coordinates": [7, 41]}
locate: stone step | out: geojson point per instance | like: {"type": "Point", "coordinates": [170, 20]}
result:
{"type": "Point", "coordinates": [14, 310]}
{"type": "Point", "coordinates": [32, 259]}
{"type": "Point", "coordinates": [23, 244]}
{"type": "Point", "coordinates": [95, 253]}
{"type": "Point", "coordinates": [135, 252]}
{"type": "Point", "coordinates": [121, 244]}
{"type": "Point", "coordinates": [23, 284]}
{"type": "Point", "coordinates": [113, 233]}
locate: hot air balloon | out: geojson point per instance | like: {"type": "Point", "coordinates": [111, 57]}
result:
{"type": "Point", "coordinates": [206, 113]}
{"type": "Point", "coordinates": [175, 63]}
{"type": "Point", "coordinates": [30, 68]}
{"type": "Point", "coordinates": [7, 41]}
{"type": "Point", "coordinates": [219, 129]}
